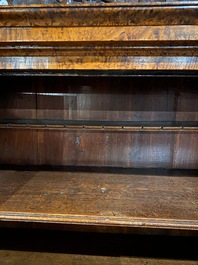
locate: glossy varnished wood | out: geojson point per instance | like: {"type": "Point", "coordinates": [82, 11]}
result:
{"type": "Point", "coordinates": [108, 37]}
{"type": "Point", "coordinates": [125, 14]}
{"type": "Point", "coordinates": [99, 199]}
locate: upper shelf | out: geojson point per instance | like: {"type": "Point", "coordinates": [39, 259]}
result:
{"type": "Point", "coordinates": [48, 35]}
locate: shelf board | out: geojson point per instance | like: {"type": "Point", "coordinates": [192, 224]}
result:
{"type": "Point", "coordinates": [99, 199]}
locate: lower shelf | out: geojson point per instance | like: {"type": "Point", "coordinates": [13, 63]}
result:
{"type": "Point", "coordinates": [99, 200]}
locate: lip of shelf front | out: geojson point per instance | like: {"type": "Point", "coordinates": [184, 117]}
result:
{"type": "Point", "coordinates": [99, 199]}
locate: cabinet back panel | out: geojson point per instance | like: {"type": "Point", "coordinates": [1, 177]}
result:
{"type": "Point", "coordinates": [97, 99]}
{"type": "Point", "coordinates": [100, 98]}
{"type": "Point", "coordinates": [99, 148]}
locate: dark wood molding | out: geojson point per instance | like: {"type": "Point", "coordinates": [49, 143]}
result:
{"type": "Point", "coordinates": [81, 15]}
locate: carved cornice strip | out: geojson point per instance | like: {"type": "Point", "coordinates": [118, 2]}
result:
{"type": "Point", "coordinates": [99, 15]}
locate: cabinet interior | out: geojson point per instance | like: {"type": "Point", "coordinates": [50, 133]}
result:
{"type": "Point", "coordinates": [115, 152]}
{"type": "Point", "coordinates": [99, 115]}
{"type": "Point", "coordinates": [132, 122]}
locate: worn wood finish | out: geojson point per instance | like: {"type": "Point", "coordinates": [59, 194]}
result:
{"type": "Point", "coordinates": [159, 202]}
{"type": "Point", "coordinates": [112, 37]}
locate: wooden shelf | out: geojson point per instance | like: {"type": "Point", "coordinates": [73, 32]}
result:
{"type": "Point", "coordinates": [99, 199]}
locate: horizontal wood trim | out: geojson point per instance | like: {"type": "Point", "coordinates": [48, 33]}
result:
{"type": "Point", "coordinates": [89, 48]}
{"type": "Point", "coordinates": [99, 63]}
{"type": "Point", "coordinates": [118, 49]}
{"type": "Point", "coordinates": [101, 37]}
{"type": "Point", "coordinates": [100, 125]}
{"type": "Point", "coordinates": [99, 199]}
{"type": "Point", "coordinates": [142, 13]}
{"type": "Point", "coordinates": [155, 223]}
{"type": "Point", "coordinates": [98, 34]}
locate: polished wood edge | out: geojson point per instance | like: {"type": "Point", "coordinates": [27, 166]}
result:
{"type": "Point", "coordinates": [105, 221]}
{"type": "Point", "coordinates": [176, 13]}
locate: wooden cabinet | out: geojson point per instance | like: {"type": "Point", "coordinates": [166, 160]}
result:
{"type": "Point", "coordinates": [98, 115]}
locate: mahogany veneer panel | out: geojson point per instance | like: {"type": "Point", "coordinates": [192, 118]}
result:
{"type": "Point", "coordinates": [97, 199]}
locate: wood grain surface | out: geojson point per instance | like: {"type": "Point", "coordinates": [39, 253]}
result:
{"type": "Point", "coordinates": [149, 13]}
{"type": "Point", "coordinates": [98, 100]}
{"type": "Point", "coordinates": [108, 37]}
{"type": "Point", "coordinates": [99, 199]}
{"type": "Point", "coordinates": [44, 37]}
{"type": "Point", "coordinates": [65, 147]}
